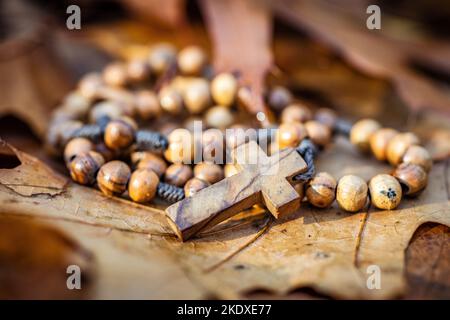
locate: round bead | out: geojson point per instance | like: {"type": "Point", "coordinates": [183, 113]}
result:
{"type": "Point", "coordinates": [193, 186]}
{"type": "Point", "coordinates": [224, 88]}
{"type": "Point", "coordinates": [412, 177]}
{"type": "Point", "coordinates": [119, 134]}
{"type": "Point", "coordinates": [290, 134]}
{"type": "Point", "coordinates": [147, 104]}
{"type": "Point", "coordinates": [319, 133]}
{"type": "Point", "coordinates": [75, 147]}
{"type": "Point", "coordinates": [209, 172]}
{"type": "Point", "coordinates": [219, 117]}
{"type": "Point", "coordinates": [398, 145]}
{"type": "Point", "coordinates": [321, 190]}
{"type": "Point", "coordinates": [379, 141]}
{"type": "Point", "coordinates": [90, 85]}
{"type": "Point", "coordinates": [181, 147]}
{"type": "Point", "coordinates": [148, 160]}
{"type": "Point", "coordinates": [196, 96]}
{"type": "Point", "coordinates": [171, 100]}
{"type": "Point", "coordinates": [327, 117]}
{"type": "Point", "coordinates": [385, 192]}
{"type": "Point", "coordinates": [213, 145]}
{"type": "Point", "coordinates": [113, 176]}
{"type": "Point", "coordinates": [191, 60]}
{"type": "Point", "coordinates": [84, 168]}
{"type": "Point", "coordinates": [161, 57]}
{"type": "Point", "coordinates": [351, 193]}
{"type": "Point", "coordinates": [138, 70]}
{"type": "Point", "coordinates": [237, 135]}
{"type": "Point", "coordinates": [142, 185]}
{"type": "Point", "coordinates": [115, 74]}
{"type": "Point", "coordinates": [107, 153]}
{"type": "Point", "coordinates": [420, 156]}
{"type": "Point", "coordinates": [296, 113]}
{"type": "Point", "coordinates": [76, 105]}
{"type": "Point", "coordinates": [178, 174]}
{"type": "Point", "coordinates": [279, 98]}
{"type": "Point", "coordinates": [110, 109]}
{"type": "Point", "coordinates": [229, 170]}
{"type": "Point", "coordinates": [361, 132]}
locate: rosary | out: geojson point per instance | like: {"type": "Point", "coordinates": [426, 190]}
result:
{"type": "Point", "coordinates": [103, 130]}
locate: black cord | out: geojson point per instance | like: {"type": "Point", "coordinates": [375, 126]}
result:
{"type": "Point", "coordinates": [169, 192]}
{"type": "Point", "coordinates": [308, 150]}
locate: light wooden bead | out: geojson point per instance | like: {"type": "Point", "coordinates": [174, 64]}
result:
{"type": "Point", "coordinates": [229, 170]}
{"type": "Point", "coordinates": [113, 176]}
{"type": "Point", "coordinates": [351, 193]}
{"type": "Point", "coordinates": [171, 100]}
{"type": "Point", "coordinates": [148, 160]}
{"type": "Point", "coordinates": [181, 147]}
{"type": "Point", "coordinates": [296, 113]}
{"type": "Point", "coordinates": [197, 96]}
{"type": "Point", "coordinates": [76, 104]}
{"type": "Point", "coordinates": [420, 156]}
{"type": "Point", "coordinates": [219, 117]}
{"type": "Point", "coordinates": [142, 185]}
{"type": "Point", "coordinates": [237, 135]}
{"type": "Point", "coordinates": [138, 70]}
{"type": "Point", "coordinates": [147, 105]}
{"type": "Point", "coordinates": [321, 190]}
{"type": "Point", "coordinates": [380, 140]}
{"type": "Point", "coordinates": [191, 60]}
{"type": "Point", "coordinates": [84, 168]}
{"type": "Point", "coordinates": [279, 98]}
{"type": "Point", "coordinates": [361, 132]}
{"type": "Point", "coordinates": [90, 84]}
{"type": "Point", "coordinates": [412, 177]}
{"type": "Point", "coordinates": [75, 147]}
{"type": "Point", "coordinates": [119, 134]}
{"type": "Point", "coordinates": [290, 134]}
{"type": "Point", "coordinates": [209, 172]}
{"type": "Point", "coordinates": [178, 174]}
{"type": "Point", "coordinates": [161, 57]}
{"type": "Point", "coordinates": [115, 74]}
{"type": "Point", "coordinates": [110, 109]}
{"type": "Point", "coordinates": [398, 145]}
{"type": "Point", "coordinates": [327, 117]}
{"type": "Point", "coordinates": [385, 192]}
{"type": "Point", "coordinates": [193, 186]}
{"type": "Point", "coordinates": [319, 133]}
{"type": "Point", "coordinates": [213, 145]}
{"type": "Point", "coordinates": [224, 88]}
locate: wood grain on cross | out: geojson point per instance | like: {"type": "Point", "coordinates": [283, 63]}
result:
{"type": "Point", "coordinates": [261, 179]}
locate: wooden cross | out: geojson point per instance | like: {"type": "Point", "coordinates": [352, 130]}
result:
{"type": "Point", "coordinates": [261, 179]}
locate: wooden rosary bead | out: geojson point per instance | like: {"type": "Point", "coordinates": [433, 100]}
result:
{"type": "Point", "coordinates": [138, 70]}
{"type": "Point", "coordinates": [76, 104]}
{"type": "Point", "coordinates": [84, 168]}
{"type": "Point", "coordinates": [290, 134]}
{"type": "Point", "coordinates": [238, 135]}
{"type": "Point", "coordinates": [191, 60]}
{"type": "Point", "coordinates": [181, 147]}
{"type": "Point", "coordinates": [111, 109]}
{"type": "Point", "coordinates": [90, 85]}
{"type": "Point", "coordinates": [321, 190]}
{"type": "Point", "coordinates": [361, 132]}
{"type": "Point", "coordinates": [107, 153]}
{"type": "Point", "coordinates": [115, 74]}
{"type": "Point", "coordinates": [147, 105]}
{"type": "Point", "coordinates": [75, 147]}
{"type": "Point", "coordinates": [279, 98]}
{"type": "Point", "coordinates": [197, 96]}
{"type": "Point", "coordinates": [224, 88]}
{"type": "Point", "coordinates": [119, 134]}
{"type": "Point", "coordinates": [351, 193]}
{"type": "Point", "coordinates": [319, 133]}
{"type": "Point", "coordinates": [148, 160]}
{"type": "Point", "coordinates": [213, 145]}
{"type": "Point", "coordinates": [193, 186]}
{"type": "Point", "coordinates": [171, 101]}
{"type": "Point", "coordinates": [142, 185]}
{"type": "Point", "coordinates": [385, 192]}
{"type": "Point", "coordinates": [412, 177]}
{"type": "Point", "coordinates": [296, 113]}
{"type": "Point", "coordinates": [229, 170]}
{"type": "Point", "coordinates": [327, 117]}
{"type": "Point", "coordinates": [178, 174]}
{"type": "Point", "coordinates": [380, 140]}
{"type": "Point", "coordinates": [420, 156]}
{"type": "Point", "coordinates": [209, 172]}
{"type": "Point", "coordinates": [398, 145]}
{"type": "Point", "coordinates": [161, 57]}
{"type": "Point", "coordinates": [113, 176]}
{"type": "Point", "coordinates": [219, 117]}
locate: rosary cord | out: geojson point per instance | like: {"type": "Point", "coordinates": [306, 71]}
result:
{"type": "Point", "coordinates": [343, 127]}
{"type": "Point", "coordinates": [151, 141]}
{"type": "Point", "coordinates": [169, 192]}
{"type": "Point", "coordinates": [308, 151]}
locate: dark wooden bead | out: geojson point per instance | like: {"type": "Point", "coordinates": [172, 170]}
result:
{"type": "Point", "coordinates": [119, 134]}
{"type": "Point", "coordinates": [194, 185]}
{"type": "Point", "coordinates": [412, 177]}
{"type": "Point", "coordinates": [178, 174]}
{"type": "Point", "coordinates": [84, 168]}
{"type": "Point", "coordinates": [142, 185]}
{"type": "Point", "coordinates": [113, 176]}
